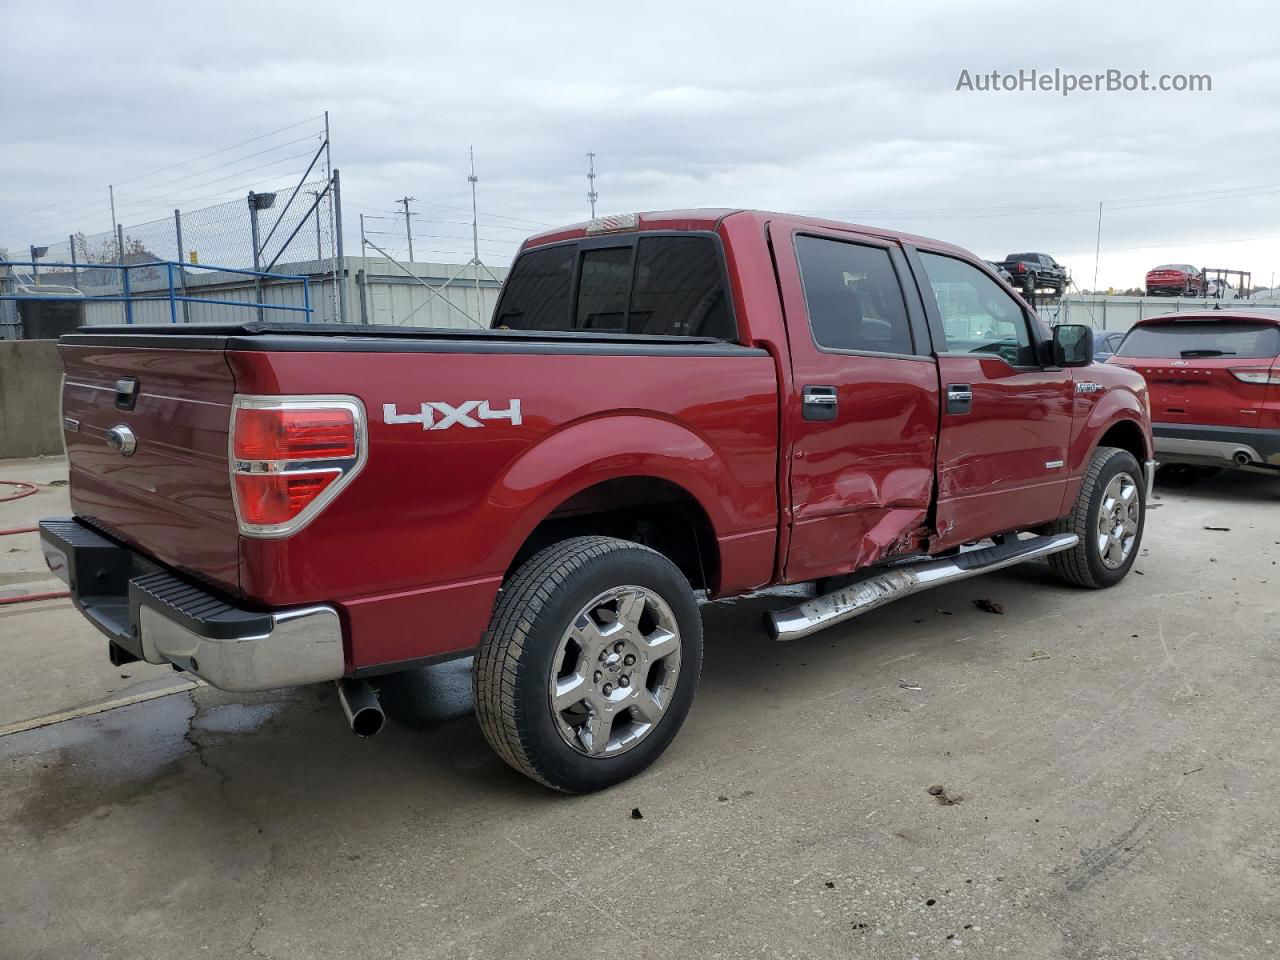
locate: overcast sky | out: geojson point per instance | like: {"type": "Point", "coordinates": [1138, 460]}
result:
{"type": "Point", "coordinates": [848, 109]}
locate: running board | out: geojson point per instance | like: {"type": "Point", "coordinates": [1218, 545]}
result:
{"type": "Point", "coordinates": [856, 599]}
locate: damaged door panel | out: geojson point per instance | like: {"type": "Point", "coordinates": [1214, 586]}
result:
{"type": "Point", "coordinates": [862, 460]}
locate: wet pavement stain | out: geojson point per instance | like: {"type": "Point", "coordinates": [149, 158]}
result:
{"type": "Point", "coordinates": [86, 766]}
{"type": "Point", "coordinates": [79, 767]}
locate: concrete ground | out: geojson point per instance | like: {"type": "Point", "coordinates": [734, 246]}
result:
{"type": "Point", "coordinates": [1113, 755]}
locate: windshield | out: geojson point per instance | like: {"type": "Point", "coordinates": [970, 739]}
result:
{"type": "Point", "coordinates": [1209, 338]}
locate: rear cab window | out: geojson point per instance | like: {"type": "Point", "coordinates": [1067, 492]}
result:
{"type": "Point", "coordinates": [648, 283]}
{"type": "Point", "coordinates": [1208, 338]}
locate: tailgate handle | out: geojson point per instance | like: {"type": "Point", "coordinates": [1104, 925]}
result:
{"type": "Point", "coordinates": [126, 392]}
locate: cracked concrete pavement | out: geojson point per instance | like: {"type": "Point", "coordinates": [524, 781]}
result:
{"type": "Point", "coordinates": [1114, 751]}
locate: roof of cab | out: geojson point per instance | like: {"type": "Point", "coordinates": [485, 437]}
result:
{"type": "Point", "coordinates": [1260, 315]}
{"type": "Point", "coordinates": [710, 219]}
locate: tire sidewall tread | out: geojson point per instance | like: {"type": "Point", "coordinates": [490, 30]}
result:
{"type": "Point", "coordinates": [514, 660]}
{"type": "Point", "coordinates": [1081, 565]}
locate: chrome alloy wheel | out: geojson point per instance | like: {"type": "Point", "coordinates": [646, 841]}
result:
{"type": "Point", "coordinates": [1118, 517]}
{"type": "Point", "coordinates": [615, 671]}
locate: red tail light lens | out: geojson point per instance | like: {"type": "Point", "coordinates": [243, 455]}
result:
{"type": "Point", "coordinates": [283, 434]}
{"type": "Point", "coordinates": [270, 499]}
{"type": "Point", "coordinates": [290, 456]}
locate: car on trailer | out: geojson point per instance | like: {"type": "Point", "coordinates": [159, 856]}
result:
{"type": "Point", "coordinates": [1175, 280]}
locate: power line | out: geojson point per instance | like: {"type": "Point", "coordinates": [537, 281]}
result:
{"type": "Point", "coordinates": [143, 176]}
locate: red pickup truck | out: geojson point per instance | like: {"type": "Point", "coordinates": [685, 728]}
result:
{"type": "Point", "coordinates": [668, 406]}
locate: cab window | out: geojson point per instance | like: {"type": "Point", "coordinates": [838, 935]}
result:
{"type": "Point", "coordinates": [853, 297]}
{"type": "Point", "coordinates": [978, 316]}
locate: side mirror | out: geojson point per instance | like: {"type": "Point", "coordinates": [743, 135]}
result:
{"type": "Point", "coordinates": [1073, 345]}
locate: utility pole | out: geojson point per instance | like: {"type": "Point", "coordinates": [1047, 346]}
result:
{"type": "Point", "coordinates": [592, 196]}
{"type": "Point", "coordinates": [475, 235]}
{"type": "Point", "coordinates": [111, 193]}
{"type": "Point", "coordinates": [408, 229]}
{"type": "Point", "coordinates": [1097, 250]}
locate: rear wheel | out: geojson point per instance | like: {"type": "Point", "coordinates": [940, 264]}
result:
{"type": "Point", "coordinates": [590, 663]}
{"type": "Point", "coordinates": [1109, 516]}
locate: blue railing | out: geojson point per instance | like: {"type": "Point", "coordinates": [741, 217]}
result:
{"type": "Point", "coordinates": [175, 293]}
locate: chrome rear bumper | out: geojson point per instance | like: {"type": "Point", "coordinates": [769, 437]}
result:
{"type": "Point", "coordinates": [150, 614]}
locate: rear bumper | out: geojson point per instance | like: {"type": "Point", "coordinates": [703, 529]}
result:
{"type": "Point", "coordinates": [1243, 447]}
{"type": "Point", "coordinates": [151, 614]}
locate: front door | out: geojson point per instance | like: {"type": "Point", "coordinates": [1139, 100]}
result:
{"type": "Point", "coordinates": [864, 409]}
{"type": "Point", "coordinates": [1006, 417]}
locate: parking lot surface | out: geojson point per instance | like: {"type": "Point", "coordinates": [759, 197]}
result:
{"type": "Point", "coordinates": [1107, 759]}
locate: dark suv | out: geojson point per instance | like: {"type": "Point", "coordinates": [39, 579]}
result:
{"type": "Point", "coordinates": [1037, 271]}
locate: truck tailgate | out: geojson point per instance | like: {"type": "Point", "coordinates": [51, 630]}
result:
{"type": "Point", "coordinates": [171, 498]}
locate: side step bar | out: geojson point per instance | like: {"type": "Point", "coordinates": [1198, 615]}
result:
{"type": "Point", "coordinates": [897, 582]}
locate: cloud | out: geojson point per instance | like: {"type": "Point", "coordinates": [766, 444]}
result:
{"type": "Point", "coordinates": [844, 109]}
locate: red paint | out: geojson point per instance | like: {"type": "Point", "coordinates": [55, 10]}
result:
{"type": "Point", "coordinates": [172, 498]}
{"type": "Point", "coordinates": [994, 463]}
{"type": "Point", "coordinates": [1191, 391]}
{"type": "Point", "coordinates": [413, 551]}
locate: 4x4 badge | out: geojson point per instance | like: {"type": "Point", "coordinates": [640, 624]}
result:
{"type": "Point", "coordinates": [469, 413]}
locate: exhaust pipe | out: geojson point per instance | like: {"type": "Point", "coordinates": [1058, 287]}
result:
{"type": "Point", "coordinates": [897, 582]}
{"type": "Point", "coordinates": [1241, 458]}
{"type": "Point", "coordinates": [361, 706]}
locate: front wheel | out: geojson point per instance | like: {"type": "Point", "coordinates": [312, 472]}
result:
{"type": "Point", "coordinates": [589, 664]}
{"type": "Point", "coordinates": [1109, 516]}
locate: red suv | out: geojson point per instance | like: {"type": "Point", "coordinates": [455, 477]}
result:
{"type": "Point", "coordinates": [1214, 386]}
{"type": "Point", "coordinates": [1175, 279]}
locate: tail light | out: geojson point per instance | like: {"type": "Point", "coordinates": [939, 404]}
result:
{"type": "Point", "coordinates": [1021, 268]}
{"type": "Point", "coordinates": [290, 456]}
{"type": "Point", "coordinates": [1258, 375]}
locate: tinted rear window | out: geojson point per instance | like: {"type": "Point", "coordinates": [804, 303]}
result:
{"type": "Point", "coordinates": [536, 294]}
{"type": "Point", "coordinates": [602, 289]}
{"type": "Point", "coordinates": [1208, 339]}
{"type": "Point", "coordinates": [659, 285]}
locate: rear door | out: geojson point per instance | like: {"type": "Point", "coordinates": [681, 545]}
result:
{"type": "Point", "coordinates": [864, 412]}
{"type": "Point", "coordinates": [170, 497]}
{"type": "Point", "coordinates": [1006, 418]}
{"type": "Point", "coordinates": [1198, 371]}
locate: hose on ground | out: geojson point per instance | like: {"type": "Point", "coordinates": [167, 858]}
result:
{"type": "Point", "coordinates": [24, 489]}
{"type": "Point", "coordinates": [30, 597]}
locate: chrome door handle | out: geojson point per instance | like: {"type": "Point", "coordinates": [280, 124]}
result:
{"type": "Point", "coordinates": [818, 402]}
{"type": "Point", "coordinates": [959, 398]}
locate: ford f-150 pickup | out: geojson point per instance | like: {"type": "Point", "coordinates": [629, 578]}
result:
{"type": "Point", "coordinates": [667, 407]}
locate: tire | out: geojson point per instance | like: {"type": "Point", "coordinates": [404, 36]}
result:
{"type": "Point", "coordinates": [1086, 564]}
{"type": "Point", "coordinates": [549, 627]}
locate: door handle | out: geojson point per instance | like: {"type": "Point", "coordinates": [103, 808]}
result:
{"type": "Point", "coordinates": [959, 398]}
{"type": "Point", "coordinates": [819, 403]}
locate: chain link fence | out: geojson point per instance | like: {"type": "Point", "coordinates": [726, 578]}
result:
{"type": "Point", "coordinates": [295, 232]}
{"type": "Point", "coordinates": [289, 233]}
